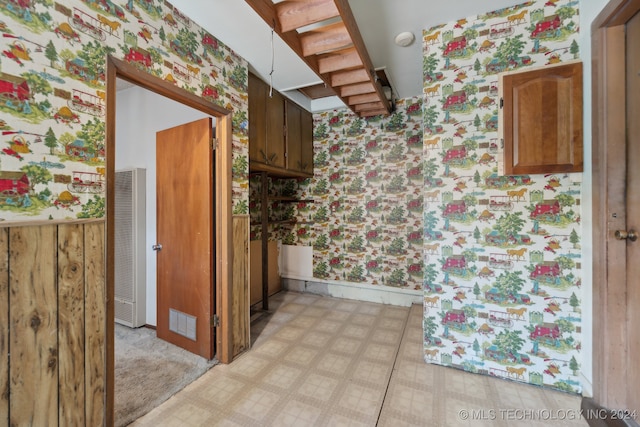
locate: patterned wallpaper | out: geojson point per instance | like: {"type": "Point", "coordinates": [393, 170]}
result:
{"type": "Point", "coordinates": [52, 95]}
{"type": "Point", "coordinates": [417, 200]}
{"type": "Point", "coordinates": [362, 211]}
{"type": "Point", "coordinates": [501, 253]}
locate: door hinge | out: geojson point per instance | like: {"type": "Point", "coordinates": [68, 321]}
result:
{"type": "Point", "coordinates": [215, 321]}
{"type": "Point", "coordinates": [214, 144]}
{"type": "Point", "coordinates": [501, 102]}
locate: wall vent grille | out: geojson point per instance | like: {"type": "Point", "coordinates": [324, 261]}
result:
{"type": "Point", "coordinates": [130, 237]}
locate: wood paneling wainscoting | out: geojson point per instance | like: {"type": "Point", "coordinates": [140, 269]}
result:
{"type": "Point", "coordinates": [240, 319]}
{"type": "Point", "coordinates": [52, 324]}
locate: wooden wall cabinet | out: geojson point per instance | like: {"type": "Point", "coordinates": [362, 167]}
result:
{"type": "Point", "coordinates": [299, 125]}
{"type": "Point", "coordinates": [280, 133]}
{"type": "Point", "coordinates": [266, 126]}
{"type": "Point", "coordinates": [541, 120]}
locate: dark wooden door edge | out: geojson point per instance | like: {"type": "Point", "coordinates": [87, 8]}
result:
{"type": "Point", "coordinates": [599, 416]}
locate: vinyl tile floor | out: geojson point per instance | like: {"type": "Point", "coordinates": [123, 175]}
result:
{"type": "Point", "coordinates": [322, 361]}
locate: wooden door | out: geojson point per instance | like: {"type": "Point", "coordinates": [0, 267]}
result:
{"type": "Point", "coordinates": [185, 271]}
{"type": "Point", "coordinates": [615, 40]}
{"type": "Point", "coordinates": [632, 216]}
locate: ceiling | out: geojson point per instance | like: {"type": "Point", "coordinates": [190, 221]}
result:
{"type": "Point", "coordinates": [238, 26]}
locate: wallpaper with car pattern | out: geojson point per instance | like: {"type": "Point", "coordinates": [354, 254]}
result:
{"type": "Point", "coordinates": [52, 95]}
{"type": "Point", "coordinates": [417, 201]}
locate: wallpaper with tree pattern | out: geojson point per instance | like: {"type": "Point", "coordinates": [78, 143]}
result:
{"type": "Point", "coordinates": [417, 200]}
{"type": "Point", "coordinates": [502, 257]}
{"type": "Point", "coordinates": [52, 95]}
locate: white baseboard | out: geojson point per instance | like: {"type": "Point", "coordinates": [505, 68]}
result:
{"type": "Point", "coordinates": [353, 291]}
{"type": "Point", "coordinates": [587, 387]}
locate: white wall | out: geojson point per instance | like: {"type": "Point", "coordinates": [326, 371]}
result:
{"type": "Point", "coordinates": [139, 115]}
{"type": "Point", "coordinates": [589, 9]}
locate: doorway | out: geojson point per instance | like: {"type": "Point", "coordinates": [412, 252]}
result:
{"type": "Point", "coordinates": [222, 208]}
{"type": "Point", "coordinates": [615, 44]}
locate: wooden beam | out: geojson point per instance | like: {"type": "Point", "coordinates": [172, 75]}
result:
{"type": "Point", "coordinates": [325, 39]}
{"type": "Point", "coordinates": [368, 106]}
{"type": "Point", "coordinates": [349, 77]}
{"type": "Point", "coordinates": [361, 99]}
{"type": "Point", "coordinates": [267, 11]}
{"type": "Point", "coordinates": [371, 113]}
{"type": "Point", "coordinates": [318, 91]}
{"type": "Point", "coordinates": [311, 45]}
{"type": "Point", "coordinates": [351, 25]}
{"type": "Point", "coordinates": [341, 60]}
{"type": "Point", "coordinates": [357, 89]}
{"type": "Point", "coordinates": [296, 14]}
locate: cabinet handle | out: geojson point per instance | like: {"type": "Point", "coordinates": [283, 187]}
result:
{"type": "Point", "coordinates": [264, 157]}
{"type": "Point", "coordinates": [268, 159]}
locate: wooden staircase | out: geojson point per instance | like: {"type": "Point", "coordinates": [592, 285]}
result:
{"type": "Point", "coordinates": [325, 35]}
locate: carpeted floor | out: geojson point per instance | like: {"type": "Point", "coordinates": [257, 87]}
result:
{"type": "Point", "coordinates": [148, 371]}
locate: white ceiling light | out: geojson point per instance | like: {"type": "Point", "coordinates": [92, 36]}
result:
{"type": "Point", "coordinates": [405, 39]}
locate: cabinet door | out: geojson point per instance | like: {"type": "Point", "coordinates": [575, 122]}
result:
{"type": "Point", "coordinates": [257, 119]}
{"type": "Point", "coordinates": [266, 124]}
{"type": "Point", "coordinates": [294, 131]}
{"type": "Point", "coordinates": [542, 120]}
{"type": "Point", "coordinates": [275, 152]}
{"type": "Point", "coordinates": [306, 141]}
{"type": "Point", "coordinates": [299, 139]}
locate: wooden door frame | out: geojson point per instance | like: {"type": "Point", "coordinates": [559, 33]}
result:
{"type": "Point", "coordinates": [223, 215]}
{"type": "Point", "coordinates": [610, 329]}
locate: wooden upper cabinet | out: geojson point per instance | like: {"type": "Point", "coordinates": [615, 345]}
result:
{"type": "Point", "coordinates": [299, 124]}
{"type": "Point", "coordinates": [266, 126]}
{"type": "Point", "coordinates": [280, 133]}
{"type": "Point", "coordinates": [541, 120]}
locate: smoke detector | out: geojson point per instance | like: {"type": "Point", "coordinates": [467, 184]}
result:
{"type": "Point", "coordinates": [405, 39]}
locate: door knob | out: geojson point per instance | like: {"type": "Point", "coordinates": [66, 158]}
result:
{"type": "Point", "coordinates": [626, 235]}
{"type": "Point", "coordinates": [157, 247]}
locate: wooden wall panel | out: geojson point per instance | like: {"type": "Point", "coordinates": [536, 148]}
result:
{"type": "Point", "coordinates": [71, 324]}
{"type": "Point", "coordinates": [4, 327]}
{"type": "Point", "coordinates": [52, 325]}
{"type": "Point", "coordinates": [33, 326]}
{"type": "Point", "coordinates": [241, 337]}
{"type": "Point", "coordinates": [275, 281]}
{"type": "Point", "coordinates": [95, 323]}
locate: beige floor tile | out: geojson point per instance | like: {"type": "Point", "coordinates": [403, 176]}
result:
{"type": "Point", "coordinates": [221, 391]}
{"type": "Point", "coordinates": [256, 404]}
{"type": "Point", "coordinates": [318, 387]}
{"type": "Point", "coordinates": [321, 361]}
{"type": "Point", "coordinates": [282, 376]}
{"type": "Point", "coordinates": [328, 326]}
{"type": "Point", "coordinates": [316, 338]}
{"type": "Point", "coordinates": [346, 345]}
{"type": "Point", "coordinates": [363, 400]}
{"type": "Point", "coordinates": [355, 331]}
{"type": "Point", "coordinates": [339, 420]}
{"type": "Point", "coordinates": [372, 372]}
{"type": "Point", "coordinates": [297, 414]}
{"type": "Point", "coordinates": [363, 319]}
{"type": "Point", "coordinates": [380, 352]}
{"type": "Point", "coordinates": [334, 364]}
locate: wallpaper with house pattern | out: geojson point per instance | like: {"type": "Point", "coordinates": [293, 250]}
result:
{"type": "Point", "coordinates": [417, 200]}
{"type": "Point", "coordinates": [502, 258]}
{"type": "Point", "coordinates": [52, 95]}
